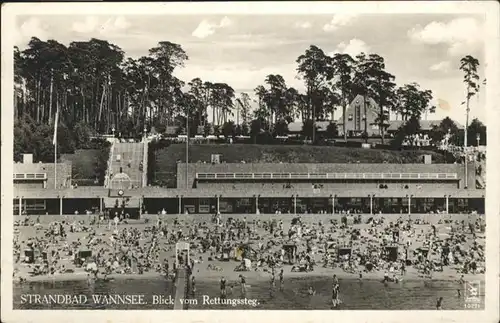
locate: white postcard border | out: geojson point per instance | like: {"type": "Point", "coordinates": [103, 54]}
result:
{"type": "Point", "coordinates": [489, 8]}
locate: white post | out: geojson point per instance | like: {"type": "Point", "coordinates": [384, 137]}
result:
{"type": "Point", "coordinates": [55, 162]}
{"type": "Point", "coordinates": [100, 204]}
{"type": "Point", "coordinates": [257, 205]}
{"type": "Point", "coordinates": [180, 204]}
{"type": "Point", "coordinates": [218, 203]}
{"type": "Point", "coordinates": [60, 205]}
{"type": "Point", "coordinates": [20, 205]}
{"type": "Point", "coordinates": [187, 148]}
{"type": "Point", "coordinates": [333, 204]}
{"type": "Point", "coordinates": [371, 204]}
{"type": "Point", "coordinates": [409, 204]}
{"type": "Point", "coordinates": [447, 204]}
{"type": "Point", "coordinates": [295, 204]}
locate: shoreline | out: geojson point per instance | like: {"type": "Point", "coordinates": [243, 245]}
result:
{"type": "Point", "coordinates": [411, 275]}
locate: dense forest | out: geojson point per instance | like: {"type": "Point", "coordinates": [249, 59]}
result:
{"type": "Point", "coordinates": [97, 89]}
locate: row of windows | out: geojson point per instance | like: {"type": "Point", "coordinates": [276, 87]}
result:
{"type": "Point", "coordinates": [29, 176]}
{"type": "Point", "coordinates": [31, 204]}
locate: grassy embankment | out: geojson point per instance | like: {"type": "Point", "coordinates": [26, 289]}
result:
{"type": "Point", "coordinates": [163, 162]}
{"type": "Point", "coordinates": [88, 164]}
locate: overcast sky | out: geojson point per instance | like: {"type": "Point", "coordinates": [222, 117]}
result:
{"type": "Point", "coordinates": [241, 50]}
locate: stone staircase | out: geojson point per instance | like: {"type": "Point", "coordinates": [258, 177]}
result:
{"type": "Point", "coordinates": [127, 167]}
{"type": "Point", "coordinates": [127, 158]}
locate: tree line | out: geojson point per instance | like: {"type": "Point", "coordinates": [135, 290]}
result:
{"type": "Point", "coordinates": [97, 90]}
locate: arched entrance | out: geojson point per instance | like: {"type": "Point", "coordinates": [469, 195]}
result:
{"type": "Point", "coordinates": [121, 181]}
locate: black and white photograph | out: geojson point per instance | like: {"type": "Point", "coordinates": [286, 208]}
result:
{"type": "Point", "coordinates": [325, 160]}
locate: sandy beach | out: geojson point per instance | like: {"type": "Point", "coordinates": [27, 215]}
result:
{"type": "Point", "coordinates": [224, 268]}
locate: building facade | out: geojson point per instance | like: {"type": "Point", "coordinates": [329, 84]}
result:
{"type": "Point", "coordinates": [285, 188]}
{"type": "Point", "coordinates": [359, 111]}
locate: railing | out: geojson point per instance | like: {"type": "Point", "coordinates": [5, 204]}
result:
{"type": "Point", "coordinates": [381, 176]}
{"type": "Point", "coordinates": [30, 176]}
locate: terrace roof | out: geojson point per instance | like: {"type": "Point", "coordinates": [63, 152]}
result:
{"type": "Point", "coordinates": [158, 192]}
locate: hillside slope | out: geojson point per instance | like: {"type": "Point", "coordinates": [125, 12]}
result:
{"type": "Point", "coordinates": [164, 167]}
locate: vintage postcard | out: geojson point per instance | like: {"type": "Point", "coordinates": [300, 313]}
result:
{"type": "Point", "coordinates": [284, 162]}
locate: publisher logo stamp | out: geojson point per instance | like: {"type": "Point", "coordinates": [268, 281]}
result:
{"type": "Point", "coordinates": [472, 292]}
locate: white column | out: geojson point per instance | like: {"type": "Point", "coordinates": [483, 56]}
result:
{"type": "Point", "coordinates": [20, 205]}
{"type": "Point", "coordinates": [371, 204]}
{"type": "Point", "coordinates": [60, 205]}
{"type": "Point", "coordinates": [180, 204]}
{"type": "Point", "coordinates": [333, 204]}
{"type": "Point", "coordinates": [447, 204]}
{"type": "Point", "coordinates": [409, 204]}
{"type": "Point", "coordinates": [257, 205]}
{"type": "Point", "coordinates": [100, 204]}
{"type": "Point", "coordinates": [295, 204]}
{"type": "Point", "coordinates": [218, 203]}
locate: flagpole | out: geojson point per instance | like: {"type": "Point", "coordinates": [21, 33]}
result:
{"type": "Point", "coordinates": [54, 142]}
{"type": "Point", "coordinates": [187, 148]}
{"type": "Point", "coordinates": [55, 164]}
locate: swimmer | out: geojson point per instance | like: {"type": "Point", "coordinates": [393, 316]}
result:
{"type": "Point", "coordinates": [271, 286]}
{"type": "Point", "coordinates": [439, 303]}
{"type": "Point", "coordinates": [282, 281]}
{"type": "Point", "coordinates": [335, 280]}
{"type": "Point", "coordinates": [222, 287]}
{"type": "Point", "coordinates": [193, 286]}
{"type": "Point", "coordinates": [311, 291]}
{"type": "Point", "coordinates": [243, 284]}
{"type": "Point", "coordinates": [461, 282]}
{"type": "Point", "coordinates": [335, 295]}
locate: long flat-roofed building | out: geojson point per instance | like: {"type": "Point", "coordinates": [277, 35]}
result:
{"type": "Point", "coordinates": [276, 187]}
